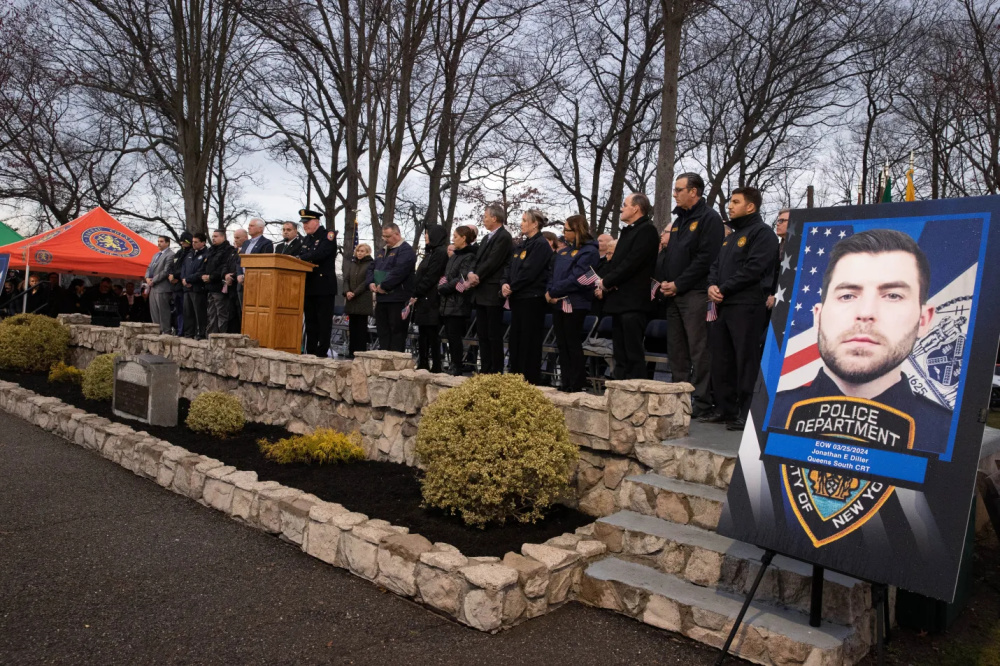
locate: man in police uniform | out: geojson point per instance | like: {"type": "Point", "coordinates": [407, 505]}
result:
{"type": "Point", "coordinates": [874, 310]}
{"type": "Point", "coordinates": [738, 283]}
{"type": "Point", "coordinates": [318, 247]}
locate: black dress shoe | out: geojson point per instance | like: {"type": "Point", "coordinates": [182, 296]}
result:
{"type": "Point", "coordinates": [699, 414]}
{"type": "Point", "coordinates": [715, 417]}
{"type": "Point", "coordinates": [736, 424]}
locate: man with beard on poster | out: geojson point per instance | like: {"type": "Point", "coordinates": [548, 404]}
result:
{"type": "Point", "coordinates": [873, 311]}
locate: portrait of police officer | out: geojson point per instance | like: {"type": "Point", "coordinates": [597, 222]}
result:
{"type": "Point", "coordinates": [873, 311]}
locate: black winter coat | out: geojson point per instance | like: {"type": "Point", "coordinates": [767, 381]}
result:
{"type": "Point", "coordinates": [429, 273]}
{"type": "Point", "coordinates": [354, 281]}
{"type": "Point", "coordinates": [629, 276]}
{"type": "Point", "coordinates": [695, 239]}
{"type": "Point", "coordinates": [220, 260]}
{"type": "Point", "coordinates": [745, 267]}
{"type": "Point", "coordinates": [460, 264]}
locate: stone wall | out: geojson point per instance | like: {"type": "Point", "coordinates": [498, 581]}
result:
{"type": "Point", "coordinates": [381, 395]}
{"type": "Point", "coordinates": [485, 593]}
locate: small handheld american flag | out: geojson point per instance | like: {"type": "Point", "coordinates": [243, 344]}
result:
{"type": "Point", "coordinates": [461, 286]}
{"type": "Point", "coordinates": [567, 307]}
{"type": "Point", "coordinates": [712, 313]}
{"type": "Point", "coordinates": [589, 278]}
{"type": "Point", "coordinates": [506, 304]}
{"type": "Point", "coordinates": [406, 312]}
{"type": "Point", "coordinates": [443, 280]}
{"type": "Point", "coordinates": [654, 287]}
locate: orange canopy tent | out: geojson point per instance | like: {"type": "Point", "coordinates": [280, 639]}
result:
{"type": "Point", "coordinates": [95, 244]}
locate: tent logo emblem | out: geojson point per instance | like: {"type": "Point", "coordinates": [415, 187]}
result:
{"type": "Point", "coordinates": [43, 257]}
{"type": "Point", "coordinates": [110, 242]}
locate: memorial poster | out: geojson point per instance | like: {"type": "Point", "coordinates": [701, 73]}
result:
{"type": "Point", "coordinates": [861, 448]}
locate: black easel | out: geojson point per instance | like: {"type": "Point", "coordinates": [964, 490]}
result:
{"type": "Point", "coordinates": [765, 561]}
{"type": "Point", "coordinates": [880, 598]}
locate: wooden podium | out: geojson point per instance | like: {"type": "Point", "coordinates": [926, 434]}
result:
{"type": "Point", "coordinates": [274, 289]}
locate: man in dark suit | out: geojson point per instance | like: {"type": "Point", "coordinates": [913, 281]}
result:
{"type": "Point", "coordinates": [486, 279]}
{"type": "Point", "coordinates": [626, 286]}
{"type": "Point", "coordinates": [318, 247]}
{"type": "Point", "coordinates": [292, 244]}
{"type": "Point", "coordinates": [257, 243]}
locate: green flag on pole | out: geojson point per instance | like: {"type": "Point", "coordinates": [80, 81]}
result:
{"type": "Point", "coordinates": [887, 193]}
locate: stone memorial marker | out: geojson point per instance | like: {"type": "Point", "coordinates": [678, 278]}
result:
{"type": "Point", "coordinates": [146, 389]}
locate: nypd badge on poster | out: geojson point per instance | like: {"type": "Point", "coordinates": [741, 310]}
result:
{"type": "Point", "coordinates": [861, 449]}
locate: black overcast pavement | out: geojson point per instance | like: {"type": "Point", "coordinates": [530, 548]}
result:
{"type": "Point", "coordinates": [99, 566]}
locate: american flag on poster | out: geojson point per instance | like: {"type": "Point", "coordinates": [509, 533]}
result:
{"type": "Point", "coordinates": [934, 367]}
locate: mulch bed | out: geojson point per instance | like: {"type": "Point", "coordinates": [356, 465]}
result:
{"type": "Point", "coordinates": [383, 490]}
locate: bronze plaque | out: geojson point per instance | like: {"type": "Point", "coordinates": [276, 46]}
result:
{"type": "Point", "coordinates": [132, 398]}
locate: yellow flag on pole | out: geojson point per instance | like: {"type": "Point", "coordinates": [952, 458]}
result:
{"type": "Point", "coordinates": [911, 191]}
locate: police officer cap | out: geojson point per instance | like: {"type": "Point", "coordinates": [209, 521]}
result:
{"type": "Point", "coordinates": [305, 214]}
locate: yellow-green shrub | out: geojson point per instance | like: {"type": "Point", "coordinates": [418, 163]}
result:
{"type": "Point", "coordinates": [324, 446]}
{"type": "Point", "coordinates": [216, 413]}
{"type": "Point", "coordinates": [60, 372]}
{"type": "Point", "coordinates": [32, 343]}
{"type": "Point", "coordinates": [99, 378]}
{"type": "Point", "coordinates": [494, 448]}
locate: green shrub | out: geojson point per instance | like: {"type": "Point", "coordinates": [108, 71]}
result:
{"type": "Point", "coordinates": [32, 343]}
{"type": "Point", "coordinates": [99, 378]}
{"type": "Point", "coordinates": [494, 448]}
{"type": "Point", "coordinates": [60, 372]}
{"type": "Point", "coordinates": [324, 446]}
{"type": "Point", "coordinates": [217, 414]}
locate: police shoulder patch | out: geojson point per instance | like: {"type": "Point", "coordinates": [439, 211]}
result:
{"type": "Point", "coordinates": [742, 241]}
{"type": "Point", "coordinates": [330, 235]}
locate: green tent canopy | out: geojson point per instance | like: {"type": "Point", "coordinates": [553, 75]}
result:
{"type": "Point", "coordinates": [8, 235]}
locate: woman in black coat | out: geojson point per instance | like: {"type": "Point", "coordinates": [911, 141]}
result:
{"type": "Point", "coordinates": [524, 288]}
{"type": "Point", "coordinates": [359, 304]}
{"type": "Point", "coordinates": [455, 305]}
{"type": "Point", "coordinates": [425, 302]}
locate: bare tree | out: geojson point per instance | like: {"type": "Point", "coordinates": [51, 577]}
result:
{"type": "Point", "coordinates": [179, 63]}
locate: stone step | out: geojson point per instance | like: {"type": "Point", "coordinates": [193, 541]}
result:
{"type": "Point", "coordinates": [768, 635]}
{"type": "Point", "coordinates": [706, 456]}
{"type": "Point", "coordinates": [672, 499]}
{"type": "Point", "coordinates": [712, 560]}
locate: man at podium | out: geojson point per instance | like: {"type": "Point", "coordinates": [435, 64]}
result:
{"type": "Point", "coordinates": [318, 247]}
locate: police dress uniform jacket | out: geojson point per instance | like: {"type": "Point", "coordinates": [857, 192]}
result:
{"type": "Point", "coordinates": [695, 239]}
{"type": "Point", "coordinates": [220, 260]}
{"type": "Point", "coordinates": [193, 269]}
{"type": "Point", "coordinates": [629, 274]}
{"type": "Point", "coordinates": [292, 247]}
{"type": "Point", "coordinates": [932, 421]}
{"type": "Point", "coordinates": [571, 263]}
{"type": "Point", "coordinates": [492, 257]}
{"type": "Point", "coordinates": [527, 274]}
{"type": "Point", "coordinates": [320, 248]}
{"type": "Point", "coordinates": [744, 269]}
{"type": "Point", "coordinates": [429, 273]}
{"type": "Point", "coordinates": [355, 273]}
{"type": "Point", "coordinates": [397, 263]}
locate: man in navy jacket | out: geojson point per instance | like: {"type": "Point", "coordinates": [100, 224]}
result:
{"type": "Point", "coordinates": [391, 279]}
{"type": "Point", "coordinates": [257, 243]}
